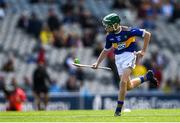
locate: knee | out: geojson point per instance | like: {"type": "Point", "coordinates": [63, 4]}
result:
{"type": "Point", "coordinates": [129, 87]}
{"type": "Point", "coordinates": [125, 78]}
{"type": "Point", "coordinates": [123, 82]}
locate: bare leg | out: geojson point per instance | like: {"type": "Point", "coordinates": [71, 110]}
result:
{"type": "Point", "coordinates": [133, 83]}
{"type": "Point", "coordinates": [127, 84]}
{"type": "Point", "coordinates": [125, 78]}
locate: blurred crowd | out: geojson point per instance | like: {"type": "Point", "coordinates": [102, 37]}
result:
{"type": "Point", "coordinates": [78, 27]}
{"type": "Point", "coordinates": [3, 6]}
{"type": "Point", "coordinates": [149, 10]}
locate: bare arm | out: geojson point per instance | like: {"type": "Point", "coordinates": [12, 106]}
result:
{"type": "Point", "coordinates": [147, 37]}
{"type": "Point", "coordinates": [100, 59]}
{"type": "Point", "coordinates": [141, 53]}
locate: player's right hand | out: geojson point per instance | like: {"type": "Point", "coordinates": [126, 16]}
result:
{"type": "Point", "coordinates": [95, 66]}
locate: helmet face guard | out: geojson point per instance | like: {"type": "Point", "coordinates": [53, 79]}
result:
{"type": "Point", "coordinates": [111, 28]}
{"type": "Point", "coordinates": [108, 28]}
{"type": "Point", "coordinates": [111, 22]}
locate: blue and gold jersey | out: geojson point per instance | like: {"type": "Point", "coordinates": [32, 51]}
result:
{"type": "Point", "coordinates": [124, 41]}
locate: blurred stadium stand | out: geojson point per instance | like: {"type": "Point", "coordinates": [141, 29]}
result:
{"type": "Point", "coordinates": [79, 31]}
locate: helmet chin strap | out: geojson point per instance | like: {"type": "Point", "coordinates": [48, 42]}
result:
{"type": "Point", "coordinates": [115, 28]}
{"type": "Point", "coordinates": [118, 27]}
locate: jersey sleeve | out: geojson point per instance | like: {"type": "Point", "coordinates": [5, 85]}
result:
{"type": "Point", "coordinates": [108, 44]}
{"type": "Point", "coordinates": [137, 32]}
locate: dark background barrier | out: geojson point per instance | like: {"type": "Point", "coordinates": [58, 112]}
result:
{"type": "Point", "coordinates": [66, 101]}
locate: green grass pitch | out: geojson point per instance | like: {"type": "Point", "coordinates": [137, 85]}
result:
{"type": "Point", "coordinates": [149, 115]}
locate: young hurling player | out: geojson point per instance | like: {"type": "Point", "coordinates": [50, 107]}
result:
{"type": "Point", "coordinates": [123, 40]}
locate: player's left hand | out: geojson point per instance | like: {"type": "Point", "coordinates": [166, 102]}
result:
{"type": "Point", "coordinates": [139, 54]}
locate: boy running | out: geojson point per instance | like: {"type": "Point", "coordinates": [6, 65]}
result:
{"type": "Point", "coordinates": [123, 40]}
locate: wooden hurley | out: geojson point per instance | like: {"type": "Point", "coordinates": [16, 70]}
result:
{"type": "Point", "coordinates": [90, 66]}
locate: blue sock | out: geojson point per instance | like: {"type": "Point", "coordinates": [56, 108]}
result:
{"type": "Point", "coordinates": [142, 79]}
{"type": "Point", "coordinates": [119, 106]}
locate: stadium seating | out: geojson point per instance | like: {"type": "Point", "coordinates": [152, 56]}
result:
{"type": "Point", "coordinates": [165, 40]}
